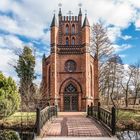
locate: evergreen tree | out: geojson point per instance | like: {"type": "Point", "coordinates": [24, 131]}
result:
{"type": "Point", "coordinates": [25, 69]}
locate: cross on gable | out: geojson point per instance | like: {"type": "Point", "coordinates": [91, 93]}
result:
{"type": "Point", "coordinates": [80, 5]}
{"type": "Point", "coordinates": [70, 13]}
{"type": "Point", "coordinates": [54, 11]}
{"type": "Point", "coordinates": [85, 12]}
{"type": "Point", "coordinates": [60, 5]}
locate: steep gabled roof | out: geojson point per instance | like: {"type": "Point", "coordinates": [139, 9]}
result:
{"type": "Point", "coordinates": [54, 21]}
{"type": "Point", "coordinates": [85, 23]}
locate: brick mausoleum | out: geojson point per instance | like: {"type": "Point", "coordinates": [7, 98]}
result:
{"type": "Point", "coordinates": [69, 71]}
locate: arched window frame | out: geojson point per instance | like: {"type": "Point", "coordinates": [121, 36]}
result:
{"type": "Point", "coordinates": [67, 29]}
{"type": "Point", "coordinates": [67, 41]}
{"type": "Point", "coordinates": [73, 29]}
{"type": "Point", "coordinates": [73, 41]}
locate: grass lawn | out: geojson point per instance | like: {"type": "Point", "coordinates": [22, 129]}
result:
{"type": "Point", "coordinates": [128, 120]}
{"type": "Point", "coordinates": [18, 118]}
{"type": "Point", "coordinates": [127, 115]}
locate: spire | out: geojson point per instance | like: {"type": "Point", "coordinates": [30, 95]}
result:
{"type": "Point", "coordinates": [43, 58]}
{"type": "Point", "coordinates": [60, 13]}
{"type": "Point", "coordinates": [80, 12]}
{"type": "Point", "coordinates": [85, 23]}
{"type": "Point", "coordinates": [54, 21]}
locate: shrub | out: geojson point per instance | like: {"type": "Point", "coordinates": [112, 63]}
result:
{"type": "Point", "coordinates": [9, 135]}
{"type": "Point", "coordinates": [9, 96]}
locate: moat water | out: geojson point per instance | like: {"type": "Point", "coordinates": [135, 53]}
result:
{"type": "Point", "coordinates": [123, 135]}
{"type": "Point", "coordinates": [128, 135]}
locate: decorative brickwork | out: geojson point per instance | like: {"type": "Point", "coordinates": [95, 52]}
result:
{"type": "Point", "coordinates": [70, 42]}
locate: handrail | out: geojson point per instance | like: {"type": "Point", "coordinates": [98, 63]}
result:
{"type": "Point", "coordinates": [106, 117]}
{"type": "Point", "coordinates": [42, 116]}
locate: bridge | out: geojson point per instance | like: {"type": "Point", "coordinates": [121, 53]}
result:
{"type": "Point", "coordinates": [96, 123]}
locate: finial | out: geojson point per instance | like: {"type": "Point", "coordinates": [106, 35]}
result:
{"type": "Point", "coordinates": [85, 12]}
{"type": "Point", "coordinates": [80, 12]}
{"type": "Point", "coordinates": [60, 5]}
{"type": "Point", "coordinates": [80, 5]}
{"type": "Point", "coordinates": [54, 11]}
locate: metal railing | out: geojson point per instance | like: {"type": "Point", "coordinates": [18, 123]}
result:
{"type": "Point", "coordinates": [44, 115]}
{"type": "Point", "coordinates": [107, 118]}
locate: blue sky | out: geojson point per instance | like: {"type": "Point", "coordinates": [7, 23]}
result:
{"type": "Point", "coordinates": [132, 54]}
{"type": "Point", "coordinates": [27, 22]}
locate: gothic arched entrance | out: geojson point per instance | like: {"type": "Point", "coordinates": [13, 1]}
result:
{"type": "Point", "coordinates": [70, 94]}
{"type": "Point", "coordinates": [70, 98]}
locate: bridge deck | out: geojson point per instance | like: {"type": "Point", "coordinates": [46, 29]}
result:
{"type": "Point", "coordinates": [73, 124]}
{"type": "Point", "coordinates": [77, 138]}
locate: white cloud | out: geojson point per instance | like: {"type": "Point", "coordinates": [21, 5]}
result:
{"type": "Point", "coordinates": [137, 24]}
{"type": "Point", "coordinates": [126, 66]}
{"type": "Point", "coordinates": [113, 33]}
{"type": "Point", "coordinates": [11, 42]}
{"type": "Point", "coordinates": [30, 18]}
{"type": "Point", "coordinates": [135, 3]}
{"type": "Point", "coordinates": [126, 37]}
{"type": "Point", "coordinates": [122, 16]}
{"type": "Point", "coordinates": [21, 27]}
{"type": "Point", "coordinates": [8, 24]}
{"type": "Point", "coordinates": [122, 55]}
{"type": "Point", "coordinates": [119, 48]}
{"type": "Point", "coordinates": [5, 5]}
{"type": "Point", "coordinates": [7, 59]}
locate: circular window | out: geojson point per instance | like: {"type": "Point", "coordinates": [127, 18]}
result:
{"type": "Point", "coordinates": [70, 66]}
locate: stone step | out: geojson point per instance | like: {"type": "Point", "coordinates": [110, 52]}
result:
{"type": "Point", "coordinates": [77, 138]}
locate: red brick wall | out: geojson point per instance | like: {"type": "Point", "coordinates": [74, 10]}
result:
{"type": "Point", "coordinates": [84, 73]}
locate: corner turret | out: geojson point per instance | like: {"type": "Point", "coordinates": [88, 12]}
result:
{"type": "Point", "coordinates": [54, 32]}
{"type": "Point", "coordinates": [54, 21]}
{"type": "Point", "coordinates": [86, 23]}
{"type": "Point", "coordinates": [86, 32]}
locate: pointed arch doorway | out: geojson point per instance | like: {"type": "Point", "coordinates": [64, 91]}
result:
{"type": "Point", "coordinates": [70, 98]}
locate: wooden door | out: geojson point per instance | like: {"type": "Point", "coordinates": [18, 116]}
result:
{"type": "Point", "coordinates": [71, 103]}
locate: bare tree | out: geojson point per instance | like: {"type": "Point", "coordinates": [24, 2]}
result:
{"type": "Point", "coordinates": [100, 43]}
{"type": "Point", "coordinates": [111, 79]}
{"type": "Point", "coordinates": [116, 68]}
{"type": "Point", "coordinates": [45, 94]}
{"type": "Point", "coordinates": [101, 49]}
{"type": "Point", "coordinates": [136, 80]}
{"type": "Point", "coordinates": [126, 82]}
